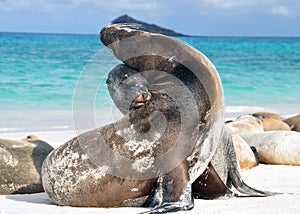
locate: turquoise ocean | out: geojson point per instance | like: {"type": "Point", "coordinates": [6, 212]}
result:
{"type": "Point", "coordinates": [39, 74]}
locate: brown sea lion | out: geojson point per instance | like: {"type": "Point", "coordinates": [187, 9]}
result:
{"type": "Point", "coordinates": [20, 165]}
{"type": "Point", "coordinates": [30, 138]}
{"type": "Point", "coordinates": [186, 75]}
{"type": "Point", "coordinates": [165, 142]}
{"type": "Point", "coordinates": [202, 107]}
{"type": "Point", "coordinates": [147, 62]}
{"type": "Point", "coordinates": [271, 124]}
{"type": "Point", "coordinates": [268, 115]}
{"type": "Point", "coordinates": [148, 53]}
{"type": "Point", "coordinates": [244, 154]}
{"type": "Point", "coordinates": [245, 124]}
{"type": "Point", "coordinates": [294, 122]}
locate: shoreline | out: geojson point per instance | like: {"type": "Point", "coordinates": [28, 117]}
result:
{"type": "Point", "coordinates": [276, 178]}
{"type": "Point", "coordinates": [14, 122]}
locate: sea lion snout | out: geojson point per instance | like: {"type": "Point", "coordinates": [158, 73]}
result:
{"type": "Point", "coordinates": [140, 100]}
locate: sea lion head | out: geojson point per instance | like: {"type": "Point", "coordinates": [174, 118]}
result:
{"type": "Point", "coordinates": [124, 85]}
{"type": "Point", "coordinates": [30, 138]}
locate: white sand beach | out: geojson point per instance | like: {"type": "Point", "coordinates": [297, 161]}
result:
{"type": "Point", "coordinates": [277, 178]}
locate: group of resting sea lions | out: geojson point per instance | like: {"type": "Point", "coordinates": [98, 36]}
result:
{"type": "Point", "coordinates": [276, 139]}
{"type": "Point", "coordinates": [171, 145]}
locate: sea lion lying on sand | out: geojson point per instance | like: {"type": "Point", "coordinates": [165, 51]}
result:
{"type": "Point", "coordinates": [20, 165]}
{"type": "Point", "coordinates": [276, 147]}
{"type": "Point", "coordinates": [268, 115]}
{"type": "Point", "coordinates": [294, 122]}
{"type": "Point", "coordinates": [245, 124]}
{"type": "Point", "coordinates": [271, 121]}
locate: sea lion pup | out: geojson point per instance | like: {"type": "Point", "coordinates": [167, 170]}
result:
{"type": "Point", "coordinates": [20, 165]}
{"type": "Point", "coordinates": [124, 83]}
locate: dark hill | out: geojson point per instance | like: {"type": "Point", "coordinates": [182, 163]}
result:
{"type": "Point", "coordinates": [152, 28]}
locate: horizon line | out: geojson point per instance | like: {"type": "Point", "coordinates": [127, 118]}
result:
{"type": "Point", "coordinates": [193, 36]}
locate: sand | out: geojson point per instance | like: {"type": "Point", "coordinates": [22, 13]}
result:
{"type": "Point", "coordinates": [277, 178]}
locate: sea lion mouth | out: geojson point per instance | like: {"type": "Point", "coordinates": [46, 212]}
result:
{"type": "Point", "coordinates": [140, 100]}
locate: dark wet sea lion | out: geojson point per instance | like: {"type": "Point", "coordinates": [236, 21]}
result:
{"type": "Point", "coordinates": [20, 165]}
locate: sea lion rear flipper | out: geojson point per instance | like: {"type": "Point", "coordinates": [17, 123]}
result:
{"type": "Point", "coordinates": [209, 185]}
{"type": "Point", "coordinates": [172, 194]}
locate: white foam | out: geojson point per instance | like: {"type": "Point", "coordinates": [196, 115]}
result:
{"type": "Point", "coordinates": [232, 112]}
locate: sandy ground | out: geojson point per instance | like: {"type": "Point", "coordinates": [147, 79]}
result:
{"type": "Point", "coordinates": [277, 178]}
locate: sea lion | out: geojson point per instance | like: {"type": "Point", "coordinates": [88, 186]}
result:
{"type": "Point", "coordinates": [294, 122]}
{"type": "Point", "coordinates": [202, 107]}
{"type": "Point", "coordinates": [165, 63]}
{"type": "Point", "coordinates": [167, 153]}
{"type": "Point", "coordinates": [271, 124]}
{"type": "Point", "coordinates": [145, 53]}
{"type": "Point", "coordinates": [30, 138]}
{"type": "Point", "coordinates": [276, 147]}
{"type": "Point", "coordinates": [267, 115]}
{"type": "Point", "coordinates": [244, 154]}
{"type": "Point", "coordinates": [20, 165]}
{"type": "Point", "coordinates": [123, 89]}
{"type": "Point", "coordinates": [245, 124]}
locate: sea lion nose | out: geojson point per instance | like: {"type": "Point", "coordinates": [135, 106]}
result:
{"type": "Point", "coordinates": [108, 81]}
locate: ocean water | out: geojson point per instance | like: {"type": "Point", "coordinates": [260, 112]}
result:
{"type": "Point", "coordinates": [40, 74]}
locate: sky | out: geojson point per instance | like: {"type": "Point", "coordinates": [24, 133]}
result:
{"type": "Point", "coordinates": [192, 17]}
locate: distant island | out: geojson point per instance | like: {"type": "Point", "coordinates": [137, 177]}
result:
{"type": "Point", "coordinates": [152, 28]}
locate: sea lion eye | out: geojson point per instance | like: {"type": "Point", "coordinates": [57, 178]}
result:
{"type": "Point", "coordinates": [125, 77]}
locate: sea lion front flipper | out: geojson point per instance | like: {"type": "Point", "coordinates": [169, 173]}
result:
{"type": "Point", "coordinates": [172, 194]}
{"type": "Point", "coordinates": [209, 185]}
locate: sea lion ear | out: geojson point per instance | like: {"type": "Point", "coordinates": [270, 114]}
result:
{"type": "Point", "coordinates": [140, 100]}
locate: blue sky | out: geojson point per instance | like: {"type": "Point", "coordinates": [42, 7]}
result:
{"type": "Point", "coordinates": [194, 17]}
